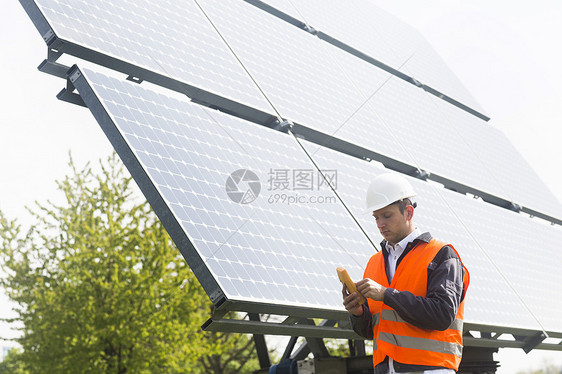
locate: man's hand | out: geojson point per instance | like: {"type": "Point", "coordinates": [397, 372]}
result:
{"type": "Point", "coordinates": [351, 302]}
{"type": "Point", "coordinates": [371, 289]}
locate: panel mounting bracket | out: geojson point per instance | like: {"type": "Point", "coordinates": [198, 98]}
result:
{"type": "Point", "coordinates": [421, 174]}
{"type": "Point", "coordinates": [534, 340]}
{"type": "Point", "coordinates": [49, 36]}
{"type": "Point", "coordinates": [291, 326]}
{"type": "Point", "coordinates": [283, 126]}
{"type": "Point", "coordinates": [67, 94]}
{"type": "Point", "coordinates": [51, 66]}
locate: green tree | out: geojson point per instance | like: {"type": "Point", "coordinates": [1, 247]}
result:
{"type": "Point", "coordinates": [547, 367]}
{"type": "Point", "coordinates": [100, 287]}
{"type": "Point", "coordinates": [12, 363]}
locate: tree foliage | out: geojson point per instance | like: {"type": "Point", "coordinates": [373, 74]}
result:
{"type": "Point", "coordinates": [546, 368]}
{"type": "Point", "coordinates": [12, 363]}
{"type": "Point", "coordinates": [100, 287]}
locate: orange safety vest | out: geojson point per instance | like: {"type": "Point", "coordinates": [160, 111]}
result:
{"type": "Point", "coordinates": [396, 338]}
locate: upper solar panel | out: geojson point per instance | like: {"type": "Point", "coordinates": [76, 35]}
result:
{"type": "Point", "coordinates": [371, 30]}
{"type": "Point", "coordinates": [170, 38]}
{"type": "Point", "coordinates": [238, 51]}
{"type": "Point", "coordinates": [273, 233]}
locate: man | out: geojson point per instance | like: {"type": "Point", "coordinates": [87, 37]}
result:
{"type": "Point", "coordinates": [414, 287]}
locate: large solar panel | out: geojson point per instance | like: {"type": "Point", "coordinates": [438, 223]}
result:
{"type": "Point", "coordinates": [266, 252]}
{"type": "Point", "coordinates": [306, 80]}
{"type": "Point", "coordinates": [248, 209]}
{"type": "Point", "coordinates": [270, 250]}
{"type": "Point", "coordinates": [170, 38]}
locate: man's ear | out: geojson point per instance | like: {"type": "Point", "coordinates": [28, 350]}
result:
{"type": "Point", "coordinates": [409, 212]}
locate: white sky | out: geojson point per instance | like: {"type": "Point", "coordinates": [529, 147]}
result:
{"type": "Point", "coordinates": [507, 53]}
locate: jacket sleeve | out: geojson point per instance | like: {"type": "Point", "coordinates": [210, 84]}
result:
{"type": "Point", "coordinates": [363, 324]}
{"type": "Point", "coordinates": [438, 309]}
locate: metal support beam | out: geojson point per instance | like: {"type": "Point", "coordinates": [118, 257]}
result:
{"type": "Point", "coordinates": [261, 345]}
{"type": "Point", "coordinates": [290, 347]}
{"type": "Point", "coordinates": [356, 347]}
{"type": "Point", "coordinates": [268, 328]}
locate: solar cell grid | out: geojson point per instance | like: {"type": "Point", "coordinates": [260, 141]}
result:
{"type": "Point", "coordinates": [371, 30]}
{"type": "Point", "coordinates": [261, 251]}
{"type": "Point", "coordinates": [526, 260]}
{"type": "Point", "coordinates": [494, 152]}
{"type": "Point", "coordinates": [308, 81]}
{"type": "Point", "coordinates": [418, 133]}
{"type": "Point", "coordinates": [171, 38]}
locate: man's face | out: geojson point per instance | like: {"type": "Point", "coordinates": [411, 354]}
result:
{"type": "Point", "coordinates": [393, 225]}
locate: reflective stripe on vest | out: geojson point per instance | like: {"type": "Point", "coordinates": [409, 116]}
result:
{"type": "Point", "coordinates": [421, 343]}
{"type": "Point", "coordinates": [375, 320]}
{"type": "Point", "coordinates": [392, 315]}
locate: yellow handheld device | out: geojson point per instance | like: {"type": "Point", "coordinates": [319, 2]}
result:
{"type": "Point", "coordinates": [344, 278]}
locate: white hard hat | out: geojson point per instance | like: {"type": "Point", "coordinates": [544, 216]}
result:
{"type": "Point", "coordinates": [385, 189]}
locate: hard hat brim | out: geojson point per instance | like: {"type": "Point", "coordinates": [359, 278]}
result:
{"type": "Point", "coordinates": [371, 209]}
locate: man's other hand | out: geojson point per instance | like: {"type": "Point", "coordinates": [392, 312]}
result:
{"type": "Point", "coordinates": [371, 289]}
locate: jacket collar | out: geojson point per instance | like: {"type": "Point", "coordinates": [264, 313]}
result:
{"type": "Point", "coordinates": [425, 237]}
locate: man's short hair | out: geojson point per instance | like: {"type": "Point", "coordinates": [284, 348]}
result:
{"type": "Point", "coordinates": [403, 204]}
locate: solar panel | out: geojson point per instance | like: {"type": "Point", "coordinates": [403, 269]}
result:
{"type": "Point", "coordinates": [170, 38]}
{"type": "Point", "coordinates": [498, 155]}
{"type": "Point", "coordinates": [281, 248]}
{"type": "Point", "coordinates": [308, 81]}
{"type": "Point", "coordinates": [408, 125]}
{"type": "Point", "coordinates": [371, 30]}
{"type": "Point", "coordinates": [263, 251]}
{"type": "Point", "coordinates": [530, 264]}
{"type": "Point", "coordinates": [401, 122]}
{"type": "Point", "coordinates": [490, 300]}
{"type": "Point", "coordinates": [249, 211]}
